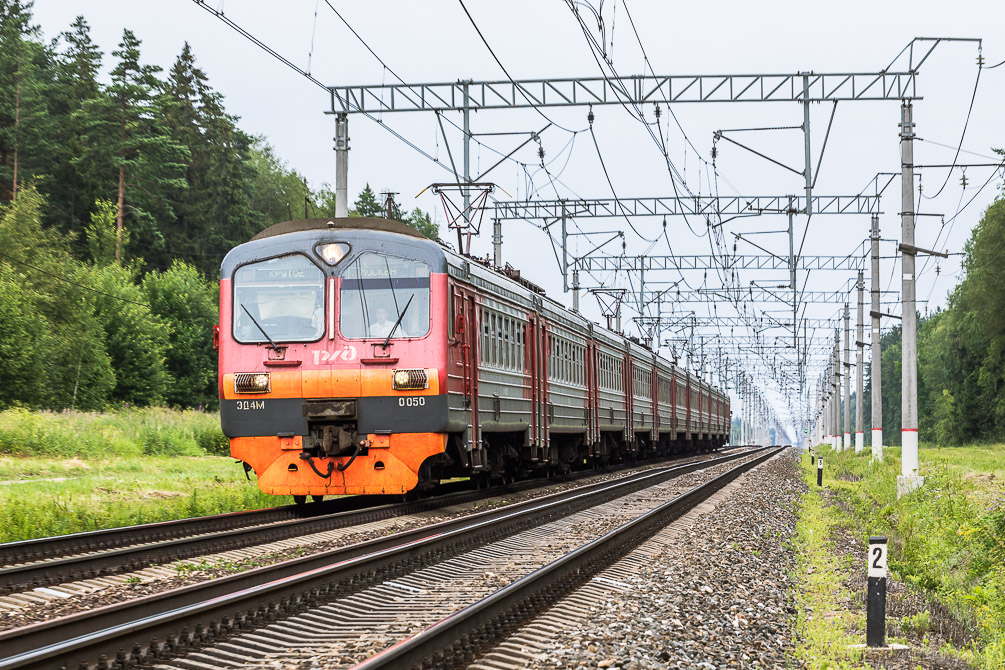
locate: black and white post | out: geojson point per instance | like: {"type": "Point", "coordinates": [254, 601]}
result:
{"type": "Point", "coordinates": [820, 471]}
{"type": "Point", "coordinates": [875, 616]}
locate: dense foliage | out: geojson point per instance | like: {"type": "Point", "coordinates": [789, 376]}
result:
{"type": "Point", "coordinates": [961, 351]}
{"type": "Point", "coordinates": [117, 202]}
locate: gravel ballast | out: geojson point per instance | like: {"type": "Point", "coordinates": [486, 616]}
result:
{"type": "Point", "coordinates": [710, 591]}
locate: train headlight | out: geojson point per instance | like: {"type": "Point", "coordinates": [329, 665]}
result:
{"type": "Point", "coordinates": [409, 380]}
{"type": "Point", "coordinates": [252, 382]}
{"type": "Point", "coordinates": [334, 252]}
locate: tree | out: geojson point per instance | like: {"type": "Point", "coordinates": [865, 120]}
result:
{"type": "Point", "coordinates": [101, 233]}
{"type": "Point", "coordinates": [59, 304]}
{"type": "Point", "coordinates": [22, 342]}
{"type": "Point", "coordinates": [125, 139]}
{"type": "Point", "coordinates": [215, 213]}
{"type": "Point", "coordinates": [25, 72]}
{"type": "Point", "coordinates": [275, 188]}
{"type": "Point", "coordinates": [366, 204]}
{"type": "Point", "coordinates": [422, 222]}
{"type": "Point", "coordinates": [187, 303]}
{"type": "Point", "coordinates": [70, 190]}
{"type": "Point", "coordinates": [136, 337]}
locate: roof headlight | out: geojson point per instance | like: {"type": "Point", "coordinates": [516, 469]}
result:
{"type": "Point", "coordinates": [334, 252]}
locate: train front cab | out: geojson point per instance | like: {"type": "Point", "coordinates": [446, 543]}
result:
{"type": "Point", "coordinates": [315, 397]}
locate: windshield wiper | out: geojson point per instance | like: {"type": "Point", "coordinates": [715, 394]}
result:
{"type": "Point", "coordinates": [398, 322]}
{"type": "Point", "coordinates": [254, 321]}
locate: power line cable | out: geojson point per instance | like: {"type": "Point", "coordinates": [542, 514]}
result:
{"type": "Point", "coordinates": [70, 281]}
{"type": "Point", "coordinates": [962, 136]}
{"type": "Point", "coordinates": [506, 72]}
{"type": "Point", "coordinates": [307, 75]}
{"type": "Point", "coordinates": [613, 192]}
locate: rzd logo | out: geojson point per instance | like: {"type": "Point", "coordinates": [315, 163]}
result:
{"type": "Point", "coordinates": [345, 354]}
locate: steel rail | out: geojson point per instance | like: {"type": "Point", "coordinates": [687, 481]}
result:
{"type": "Point", "coordinates": [179, 545]}
{"type": "Point", "coordinates": [172, 622]}
{"type": "Point", "coordinates": [117, 550]}
{"type": "Point", "coordinates": [459, 638]}
{"type": "Point", "coordinates": [110, 538]}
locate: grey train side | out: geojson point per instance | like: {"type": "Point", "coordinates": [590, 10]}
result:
{"type": "Point", "coordinates": [607, 399]}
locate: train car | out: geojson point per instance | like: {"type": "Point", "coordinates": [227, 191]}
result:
{"type": "Point", "coordinates": [358, 357]}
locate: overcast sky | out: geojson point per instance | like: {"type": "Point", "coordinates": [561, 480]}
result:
{"type": "Point", "coordinates": [435, 42]}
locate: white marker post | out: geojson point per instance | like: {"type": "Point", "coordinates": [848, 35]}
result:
{"type": "Point", "coordinates": [875, 614]}
{"type": "Point", "coordinates": [820, 471]}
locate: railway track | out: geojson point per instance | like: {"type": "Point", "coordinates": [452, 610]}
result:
{"type": "Point", "coordinates": [461, 638]}
{"type": "Point", "coordinates": [172, 623]}
{"type": "Point", "coordinates": [50, 561]}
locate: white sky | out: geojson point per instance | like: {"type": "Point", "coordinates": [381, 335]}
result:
{"type": "Point", "coordinates": [434, 42]}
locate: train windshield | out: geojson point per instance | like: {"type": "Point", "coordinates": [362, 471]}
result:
{"type": "Point", "coordinates": [280, 299]}
{"type": "Point", "coordinates": [379, 291]}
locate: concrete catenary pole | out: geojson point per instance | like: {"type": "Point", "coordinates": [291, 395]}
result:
{"type": "Point", "coordinates": [497, 243]}
{"type": "Point", "coordinates": [836, 390]}
{"type": "Point", "coordinates": [859, 372]}
{"type": "Point", "coordinates": [342, 165]}
{"type": "Point", "coordinates": [909, 479]}
{"type": "Point", "coordinates": [847, 380]}
{"type": "Point", "coordinates": [875, 370]}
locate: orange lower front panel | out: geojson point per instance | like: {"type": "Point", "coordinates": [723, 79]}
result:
{"type": "Point", "coordinates": [390, 469]}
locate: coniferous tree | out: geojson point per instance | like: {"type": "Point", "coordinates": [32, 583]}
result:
{"type": "Point", "coordinates": [366, 204]}
{"type": "Point", "coordinates": [25, 71]}
{"type": "Point", "coordinates": [71, 192]}
{"type": "Point", "coordinates": [214, 213]}
{"type": "Point", "coordinates": [125, 140]}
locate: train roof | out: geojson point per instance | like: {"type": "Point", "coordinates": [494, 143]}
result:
{"type": "Point", "coordinates": [516, 289]}
{"type": "Point", "coordinates": [350, 222]}
{"type": "Point", "coordinates": [511, 285]}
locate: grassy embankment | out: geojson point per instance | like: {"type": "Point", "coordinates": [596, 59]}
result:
{"type": "Point", "coordinates": [947, 545]}
{"type": "Point", "coordinates": [73, 471]}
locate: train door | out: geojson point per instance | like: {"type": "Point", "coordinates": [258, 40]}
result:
{"type": "Point", "coordinates": [589, 384]}
{"type": "Point", "coordinates": [628, 383]}
{"type": "Point", "coordinates": [673, 405]}
{"type": "Point", "coordinates": [654, 401]}
{"type": "Point", "coordinates": [537, 338]}
{"type": "Point", "coordinates": [689, 425]}
{"type": "Point", "coordinates": [469, 329]}
{"type": "Point", "coordinates": [546, 389]}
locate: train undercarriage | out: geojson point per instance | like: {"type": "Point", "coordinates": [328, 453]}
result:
{"type": "Point", "coordinates": [505, 457]}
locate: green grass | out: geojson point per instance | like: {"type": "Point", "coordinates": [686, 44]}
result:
{"type": "Point", "coordinates": [947, 539]}
{"type": "Point", "coordinates": [74, 471]}
{"type": "Point", "coordinates": [822, 621]}
{"type": "Point", "coordinates": [58, 496]}
{"type": "Point", "coordinates": [126, 432]}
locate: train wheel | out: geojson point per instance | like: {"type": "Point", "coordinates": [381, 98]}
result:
{"type": "Point", "coordinates": [300, 500]}
{"type": "Point", "coordinates": [315, 498]}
